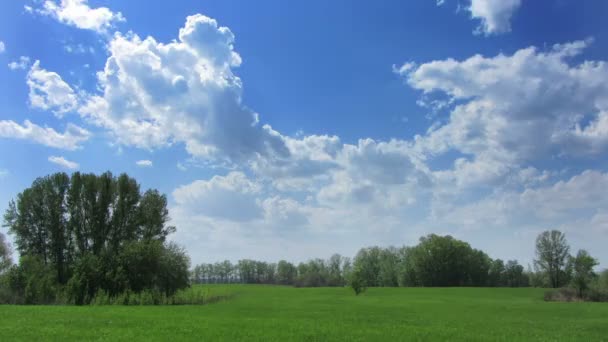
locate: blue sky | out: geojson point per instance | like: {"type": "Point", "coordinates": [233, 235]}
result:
{"type": "Point", "coordinates": [298, 129]}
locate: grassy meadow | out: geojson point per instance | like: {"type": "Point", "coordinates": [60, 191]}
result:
{"type": "Point", "coordinates": [276, 313]}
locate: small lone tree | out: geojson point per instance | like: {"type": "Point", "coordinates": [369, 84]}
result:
{"type": "Point", "coordinates": [583, 265]}
{"type": "Point", "coordinates": [357, 281]}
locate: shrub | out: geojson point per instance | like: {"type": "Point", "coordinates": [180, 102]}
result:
{"type": "Point", "coordinates": [564, 294]}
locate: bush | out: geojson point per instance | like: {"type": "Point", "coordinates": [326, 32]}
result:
{"type": "Point", "coordinates": [597, 291]}
{"type": "Point", "coordinates": [564, 294]}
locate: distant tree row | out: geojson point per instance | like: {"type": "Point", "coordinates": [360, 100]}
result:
{"type": "Point", "coordinates": [85, 234]}
{"type": "Point", "coordinates": [435, 261]}
{"type": "Point", "coordinates": [316, 272]}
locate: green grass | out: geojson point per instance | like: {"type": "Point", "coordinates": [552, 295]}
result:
{"type": "Point", "coordinates": [274, 313]}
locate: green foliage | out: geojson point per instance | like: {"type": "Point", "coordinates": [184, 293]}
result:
{"type": "Point", "coordinates": [32, 282]}
{"type": "Point", "coordinates": [357, 279]}
{"type": "Point", "coordinates": [313, 273]}
{"type": "Point", "coordinates": [85, 234]}
{"type": "Point", "coordinates": [5, 254]}
{"type": "Point", "coordinates": [552, 256]}
{"type": "Point", "coordinates": [583, 274]}
{"type": "Point", "coordinates": [445, 261]}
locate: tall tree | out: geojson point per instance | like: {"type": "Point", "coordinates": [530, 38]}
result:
{"type": "Point", "coordinates": [552, 253]}
{"type": "Point", "coordinates": [91, 233]}
{"type": "Point", "coordinates": [583, 265]}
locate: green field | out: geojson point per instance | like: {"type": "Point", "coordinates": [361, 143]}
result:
{"type": "Point", "coordinates": [275, 313]}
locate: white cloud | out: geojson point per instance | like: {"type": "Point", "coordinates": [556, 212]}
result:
{"type": "Point", "coordinates": [515, 109]}
{"type": "Point", "coordinates": [78, 13]}
{"type": "Point", "coordinates": [61, 161]}
{"type": "Point", "coordinates": [71, 139]}
{"type": "Point", "coordinates": [231, 197]}
{"type": "Point", "coordinates": [48, 91]}
{"type": "Point", "coordinates": [4, 173]}
{"type": "Point", "coordinates": [495, 15]}
{"type": "Point", "coordinates": [2, 47]}
{"type": "Point", "coordinates": [144, 163]}
{"type": "Point", "coordinates": [23, 63]}
{"type": "Point", "coordinates": [477, 168]}
{"type": "Point", "coordinates": [157, 94]}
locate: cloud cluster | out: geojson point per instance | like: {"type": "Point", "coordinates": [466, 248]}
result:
{"type": "Point", "coordinates": [77, 13]}
{"type": "Point", "coordinates": [516, 109]}
{"type": "Point", "coordinates": [21, 64]}
{"type": "Point", "coordinates": [48, 91]}
{"type": "Point", "coordinates": [504, 123]}
{"type": "Point", "coordinates": [156, 94]}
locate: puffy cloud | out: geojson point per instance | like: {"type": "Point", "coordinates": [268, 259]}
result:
{"type": "Point", "coordinates": [144, 163]}
{"type": "Point", "coordinates": [23, 63]}
{"type": "Point", "coordinates": [71, 139]}
{"type": "Point", "coordinates": [513, 109]}
{"type": "Point", "coordinates": [157, 94]}
{"type": "Point", "coordinates": [61, 161]}
{"type": "Point", "coordinates": [78, 13]}
{"type": "Point", "coordinates": [2, 47]}
{"type": "Point", "coordinates": [48, 91]}
{"type": "Point", "coordinates": [231, 197]}
{"type": "Point", "coordinates": [495, 15]}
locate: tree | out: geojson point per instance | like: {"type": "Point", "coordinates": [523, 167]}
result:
{"type": "Point", "coordinates": [357, 280]}
{"type": "Point", "coordinates": [445, 261]}
{"type": "Point", "coordinates": [552, 253]}
{"type": "Point", "coordinates": [88, 233]}
{"type": "Point", "coordinates": [514, 274]}
{"type": "Point", "coordinates": [286, 273]}
{"type": "Point", "coordinates": [497, 273]}
{"type": "Point", "coordinates": [583, 265]}
{"type": "Point", "coordinates": [5, 254]}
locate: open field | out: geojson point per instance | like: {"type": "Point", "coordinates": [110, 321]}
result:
{"type": "Point", "coordinates": [273, 313]}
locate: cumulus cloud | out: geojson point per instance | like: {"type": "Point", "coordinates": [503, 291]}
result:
{"type": "Point", "coordinates": [515, 109]}
{"type": "Point", "coordinates": [506, 114]}
{"type": "Point", "coordinates": [22, 63]}
{"type": "Point", "coordinates": [61, 161]}
{"type": "Point", "coordinates": [71, 139]}
{"type": "Point", "coordinates": [144, 163]}
{"type": "Point", "coordinates": [495, 15]}
{"type": "Point", "coordinates": [2, 47]}
{"type": "Point", "coordinates": [230, 197]}
{"type": "Point", "coordinates": [48, 91]}
{"type": "Point", "coordinates": [77, 13]}
{"type": "Point", "coordinates": [155, 94]}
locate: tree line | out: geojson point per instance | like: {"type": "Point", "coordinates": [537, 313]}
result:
{"type": "Point", "coordinates": [86, 236]}
{"type": "Point", "coordinates": [83, 235]}
{"type": "Point", "coordinates": [313, 273]}
{"type": "Point", "coordinates": [435, 261]}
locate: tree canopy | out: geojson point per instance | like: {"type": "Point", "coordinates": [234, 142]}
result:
{"type": "Point", "coordinates": [89, 233]}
